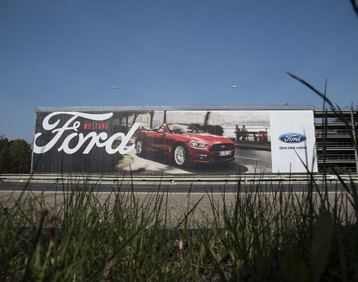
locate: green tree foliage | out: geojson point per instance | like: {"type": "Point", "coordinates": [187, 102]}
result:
{"type": "Point", "coordinates": [15, 156]}
{"type": "Point", "coordinates": [4, 156]}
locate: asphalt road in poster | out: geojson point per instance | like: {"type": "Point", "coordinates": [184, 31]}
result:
{"type": "Point", "coordinates": [246, 161]}
{"type": "Point", "coordinates": [256, 161]}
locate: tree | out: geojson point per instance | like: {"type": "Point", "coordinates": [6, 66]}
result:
{"type": "Point", "coordinates": [15, 156]}
{"type": "Point", "coordinates": [4, 154]}
{"type": "Point", "coordinates": [20, 156]}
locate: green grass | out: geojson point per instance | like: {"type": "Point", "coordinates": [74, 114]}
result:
{"type": "Point", "coordinates": [256, 236]}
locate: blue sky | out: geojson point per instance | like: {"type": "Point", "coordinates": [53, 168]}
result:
{"type": "Point", "coordinates": [172, 52]}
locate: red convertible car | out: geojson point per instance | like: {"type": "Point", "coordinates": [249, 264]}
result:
{"type": "Point", "coordinates": [185, 143]}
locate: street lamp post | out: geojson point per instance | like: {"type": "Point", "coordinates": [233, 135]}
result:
{"type": "Point", "coordinates": [114, 94]}
{"type": "Point", "coordinates": [234, 86]}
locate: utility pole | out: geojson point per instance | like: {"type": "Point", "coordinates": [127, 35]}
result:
{"type": "Point", "coordinates": [234, 87]}
{"type": "Point", "coordinates": [114, 94]}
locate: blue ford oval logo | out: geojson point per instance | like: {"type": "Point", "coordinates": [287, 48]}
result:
{"type": "Point", "coordinates": [292, 138]}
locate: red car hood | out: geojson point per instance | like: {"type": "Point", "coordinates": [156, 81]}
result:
{"type": "Point", "coordinates": [206, 138]}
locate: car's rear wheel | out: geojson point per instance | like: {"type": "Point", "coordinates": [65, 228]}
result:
{"type": "Point", "coordinates": [139, 147]}
{"type": "Point", "coordinates": [180, 155]}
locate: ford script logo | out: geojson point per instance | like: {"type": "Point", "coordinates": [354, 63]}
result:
{"type": "Point", "coordinates": [292, 138]}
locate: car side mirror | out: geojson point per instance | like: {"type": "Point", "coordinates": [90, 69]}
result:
{"type": "Point", "coordinates": [160, 131]}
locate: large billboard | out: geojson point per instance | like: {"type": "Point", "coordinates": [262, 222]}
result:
{"type": "Point", "coordinates": [174, 141]}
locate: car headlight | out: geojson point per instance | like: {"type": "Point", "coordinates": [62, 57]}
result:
{"type": "Point", "coordinates": [197, 145]}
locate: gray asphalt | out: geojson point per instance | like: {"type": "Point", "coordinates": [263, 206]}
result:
{"type": "Point", "coordinates": [189, 187]}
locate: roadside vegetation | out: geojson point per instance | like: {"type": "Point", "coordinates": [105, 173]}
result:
{"type": "Point", "coordinates": [15, 156]}
{"type": "Point", "coordinates": [259, 236]}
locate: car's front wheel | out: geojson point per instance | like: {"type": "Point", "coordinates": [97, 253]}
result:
{"type": "Point", "coordinates": [180, 155]}
{"type": "Point", "coordinates": [139, 147]}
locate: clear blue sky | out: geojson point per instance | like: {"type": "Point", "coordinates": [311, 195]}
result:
{"type": "Point", "coordinates": [172, 52]}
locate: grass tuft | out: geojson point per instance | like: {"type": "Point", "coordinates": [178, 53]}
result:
{"type": "Point", "coordinates": [275, 236]}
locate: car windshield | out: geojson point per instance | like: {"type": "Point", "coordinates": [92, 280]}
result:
{"type": "Point", "coordinates": [182, 128]}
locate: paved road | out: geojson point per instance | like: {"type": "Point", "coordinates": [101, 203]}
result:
{"type": "Point", "coordinates": [172, 187]}
{"type": "Point", "coordinates": [176, 203]}
{"type": "Point", "coordinates": [181, 193]}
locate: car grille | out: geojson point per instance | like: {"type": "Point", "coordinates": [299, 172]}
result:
{"type": "Point", "coordinates": [222, 147]}
{"type": "Point", "coordinates": [218, 159]}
